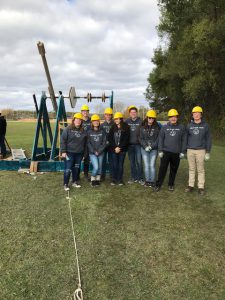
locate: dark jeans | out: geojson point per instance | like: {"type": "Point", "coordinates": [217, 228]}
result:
{"type": "Point", "coordinates": [2, 145]}
{"type": "Point", "coordinates": [171, 159]}
{"type": "Point", "coordinates": [107, 160]}
{"type": "Point", "coordinates": [117, 165]}
{"type": "Point", "coordinates": [72, 165]}
{"type": "Point", "coordinates": [134, 153]}
{"type": "Point", "coordinates": [86, 164]}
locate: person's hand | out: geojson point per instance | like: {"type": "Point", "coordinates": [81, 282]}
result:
{"type": "Point", "coordinates": [117, 150]}
{"type": "Point", "coordinates": [148, 148]}
{"type": "Point", "coordinates": [161, 154]}
{"type": "Point", "coordinates": [181, 155]}
{"type": "Point", "coordinates": [63, 155]}
{"type": "Point", "coordinates": [207, 156]}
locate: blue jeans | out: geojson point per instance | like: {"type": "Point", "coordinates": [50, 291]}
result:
{"type": "Point", "coordinates": [96, 164]}
{"type": "Point", "coordinates": [107, 160]}
{"type": "Point", "coordinates": [117, 165]}
{"type": "Point", "coordinates": [134, 153]}
{"type": "Point", "coordinates": [2, 145]}
{"type": "Point", "coordinates": [72, 165]}
{"type": "Point", "coordinates": [149, 159]}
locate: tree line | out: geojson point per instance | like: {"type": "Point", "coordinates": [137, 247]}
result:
{"type": "Point", "coordinates": [190, 61]}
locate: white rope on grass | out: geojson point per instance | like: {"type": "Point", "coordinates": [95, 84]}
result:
{"type": "Point", "coordinates": [78, 293]}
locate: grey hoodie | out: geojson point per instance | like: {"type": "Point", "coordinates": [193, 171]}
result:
{"type": "Point", "coordinates": [172, 138]}
{"type": "Point", "coordinates": [73, 140]}
{"type": "Point", "coordinates": [198, 136]}
{"type": "Point", "coordinates": [96, 141]}
{"type": "Point", "coordinates": [134, 130]}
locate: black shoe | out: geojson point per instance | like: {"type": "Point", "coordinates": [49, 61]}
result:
{"type": "Point", "coordinates": [171, 188]}
{"type": "Point", "coordinates": [147, 184]}
{"type": "Point", "coordinates": [93, 183]}
{"type": "Point", "coordinates": [201, 192]}
{"type": "Point", "coordinates": [157, 188]}
{"type": "Point", "coordinates": [97, 182]}
{"type": "Point", "coordinates": [152, 184]}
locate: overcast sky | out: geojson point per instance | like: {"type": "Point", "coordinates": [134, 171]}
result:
{"type": "Point", "coordinates": [94, 45]}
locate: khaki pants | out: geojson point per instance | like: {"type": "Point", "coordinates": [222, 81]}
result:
{"type": "Point", "coordinates": [196, 159]}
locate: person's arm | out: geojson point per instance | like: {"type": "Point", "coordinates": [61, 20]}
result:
{"type": "Point", "coordinates": [104, 142]}
{"type": "Point", "coordinates": [208, 140]}
{"type": "Point", "coordinates": [184, 140]}
{"type": "Point", "coordinates": [141, 139]}
{"type": "Point", "coordinates": [89, 144]}
{"type": "Point", "coordinates": [63, 141]}
{"type": "Point", "coordinates": [161, 139]}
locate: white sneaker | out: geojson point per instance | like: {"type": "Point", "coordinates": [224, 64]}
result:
{"type": "Point", "coordinates": [141, 182]}
{"type": "Point", "coordinates": [76, 185]}
{"type": "Point", "coordinates": [66, 188]}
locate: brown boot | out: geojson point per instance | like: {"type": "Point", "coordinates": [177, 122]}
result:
{"type": "Point", "coordinates": [201, 192]}
{"type": "Point", "coordinates": [189, 189]}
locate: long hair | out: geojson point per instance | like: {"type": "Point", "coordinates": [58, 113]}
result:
{"type": "Point", "coordinates": [122, 126]}
{"type": "Point", "coordinates": [92, 126]}
{"type": "Point", "coordinates": [72, 126]}
{"type": "Point", "coordinates": [145, 123]}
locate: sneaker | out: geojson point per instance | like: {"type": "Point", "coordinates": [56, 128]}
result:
{"type": "Point", "coordinates": [113, 182]}
{"type": "Point", "coordinates": [201, 192]}
{"type": "Point", "coordinates": [157, 188]}
{"type": "Point", "coordinates": [152, 184]}
{"type": "Point", "coordinates": [97, 182]}
{"type": "Point", "coordinates": [147, 184]}
{"type": "Point", "coordinates": [141, 182]}
{"type": "Point", "coordinates": [76, 185]}
{"type": "Point", "coordinates": [121, 183]}
{"type": "Point", "coordinates": [130, 181]}
{"type": "Point", "coordinates": [66, 188]}
{"type": "Point", "coordinates": [171, 188]}
{"type": "Point", "coordinates": [189, 189]}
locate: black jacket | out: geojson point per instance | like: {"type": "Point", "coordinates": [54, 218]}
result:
{"type": "Point", "coordinates": [73, 140]}
{"type": "Point", "coordinates": [119, 137]}
{"type": "Point", "coordinates": [172, 138]}
{"type": "Point", "coordinates": [3, 125]}
{"type": "Point", "coordinates": [149, 136]}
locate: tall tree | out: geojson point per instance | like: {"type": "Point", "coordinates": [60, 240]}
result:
{"type": "Point", "coordinates": [190, 70]}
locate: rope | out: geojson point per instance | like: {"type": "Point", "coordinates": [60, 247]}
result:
{"type": "Point", "coordinates": [78, 293]}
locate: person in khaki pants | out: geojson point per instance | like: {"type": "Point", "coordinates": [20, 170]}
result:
{"type": "Point", "coordinates": [198, 149]}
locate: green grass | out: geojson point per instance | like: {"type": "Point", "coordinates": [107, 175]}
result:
{"type": "Point", "coordinates": [133, 243]}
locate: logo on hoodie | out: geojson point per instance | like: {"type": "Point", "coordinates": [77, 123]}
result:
{"type": "Point", "coordinates": [96, 138]}
{"type": "Point", "coordinates": [196, 131]}
{"type": "Point", "coordinates": [172, 132]}
{"type": "Point", "coordinates": [77, 134]}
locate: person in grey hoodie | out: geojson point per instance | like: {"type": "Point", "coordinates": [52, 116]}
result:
{"type": "Point", "coordinates": [86, 124]}
{"type": "Point", "coordinates": [134, 149]}
{"type": "Point", "coordinates": [171, 146]}
{"type": "Point", "coordinates": [148, 138]}
{"type": "Point", "coordinates": [198, 149]}
{"type": "Point", "coordinates": [106, 126]}
{"type": "Point", "coordinates": [72, 147]}
{"type": "Point", "coordinates": [96, 146]}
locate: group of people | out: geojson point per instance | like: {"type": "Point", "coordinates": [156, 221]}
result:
{"type": "Point", "coordinates": [106, 144]}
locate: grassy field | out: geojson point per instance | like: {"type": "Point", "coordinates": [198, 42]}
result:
{"type": "Point", "coordinates": [133, 243]}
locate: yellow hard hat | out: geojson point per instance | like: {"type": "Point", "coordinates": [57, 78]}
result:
{"type": "Point", "coordinates": [95, 118]}
{"type": "Point", "coordinates": [85, 107]}
{"type": "Point", "coordinates": [172, 113]}
{"type": "Point", "coordinates": [132, 106]}
{"type": "Point", "coordinates": [108, 111]}
{"type": "Point", "coordinates": [197, 109]}
{"type": "Point", "coordinates": [118, 115]}
{"type": "Point", "coordinates": [78, 116]}
{"type": "Point", "coordinates": [151, 114]}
